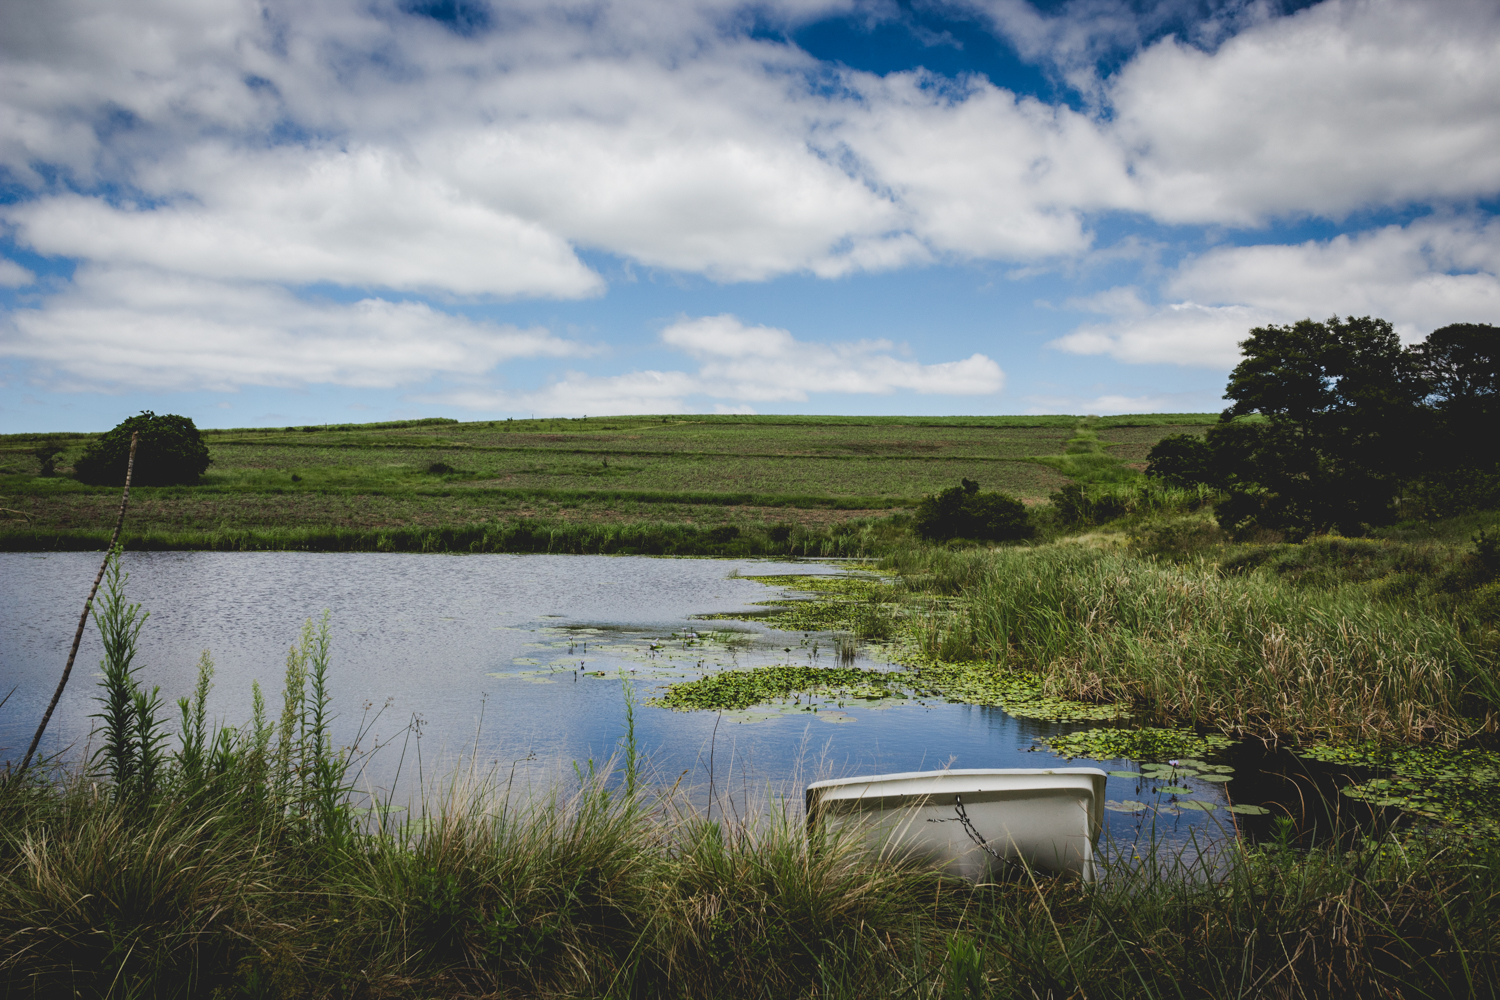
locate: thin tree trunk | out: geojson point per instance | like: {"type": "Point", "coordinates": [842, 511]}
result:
{"type": "Point", "coordinates": [83, 618]}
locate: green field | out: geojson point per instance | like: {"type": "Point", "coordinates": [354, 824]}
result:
{"type": "Point", "coordinates": [813, 472]}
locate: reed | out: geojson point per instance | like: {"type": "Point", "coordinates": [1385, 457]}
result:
{"type": "Point", "coordinates": [1251, 654]}
{"type": "Point", "coordinates": [591, 891]}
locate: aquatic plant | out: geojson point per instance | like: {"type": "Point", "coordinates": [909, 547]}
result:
{"type": "Point", "coordinates": [738, 689]}
{"type": "Point", "coordinates": [1146, 743]}
{"type": "Point", "coordinates": [1458, 787]}
{"type": "Point", "coordinates": [1021, 693]}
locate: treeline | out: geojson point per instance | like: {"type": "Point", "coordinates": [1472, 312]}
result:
{"type": "Point", "coordinates": [1337, 426]}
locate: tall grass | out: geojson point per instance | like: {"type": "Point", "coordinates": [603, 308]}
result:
{"type": "Point", "coordinates": [1076, 505]}
{"type": "Point", "coordinates": [598, 893]}
{"type": "Point", "coordinates": [1249, 654]}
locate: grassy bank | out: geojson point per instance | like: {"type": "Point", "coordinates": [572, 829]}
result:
{"type": "Point", "coordinates": [1250, 654]}
{"type": "Point", "coordinates": [777, 539]}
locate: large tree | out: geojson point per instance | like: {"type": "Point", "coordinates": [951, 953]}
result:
{"type": "Point", "coordinates": [1340, 400]}
{"type": "Point", "coordinates": [1330, 423]}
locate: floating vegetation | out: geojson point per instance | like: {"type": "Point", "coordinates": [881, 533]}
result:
{"type": "Point", "coordinates": [741, 689]}
{"type": "Point", "coordinates": [1019, 692]}
{"type": "Point", "coordinates": [1125, 806]}
{"type": "Point", "coordinates": [1146, 743]}
{"type": "Point", "coordinates": [1171, 777]}
{"type": "Point", "coordinates": [1460, 788]}
{"type": "Point", "coordinates": [866, 605]}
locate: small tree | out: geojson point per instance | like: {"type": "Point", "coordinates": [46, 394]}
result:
{"type": "Point", "coordinates": [964, 512]}
{"type": "Point", "coordinates": [171, 452]}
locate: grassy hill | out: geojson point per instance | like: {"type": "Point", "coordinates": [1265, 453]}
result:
{"type": "Point", "coordinates": [348, 485]}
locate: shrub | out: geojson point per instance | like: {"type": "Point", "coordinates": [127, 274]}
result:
{"type": "Point", "coordinates": [964, 512]}
{"type": "Point", "coordinates": [1181, 460]}
{"type": "Point", "coordinates": [171, 452]}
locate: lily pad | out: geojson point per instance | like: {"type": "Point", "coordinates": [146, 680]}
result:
{"type": "Point", "coordinates": [1146, 743]}
{"type": "Point", "coordinates": [1197, 804]}
{"type": "Point", "coordinates": [1213, 777]}
{"type": "Point", "coordinates": [1247, 810]}
{"type": "Point", "coordinates": [1177, 790]}
{"type": "Point", "coordinates": [1125, 806]}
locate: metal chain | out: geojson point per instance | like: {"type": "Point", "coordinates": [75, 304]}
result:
{"type": "Point", "coordinates": [974, 835]}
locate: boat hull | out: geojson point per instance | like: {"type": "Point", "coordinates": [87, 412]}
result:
{"type": "Point", "coordinates": [1046, 818]}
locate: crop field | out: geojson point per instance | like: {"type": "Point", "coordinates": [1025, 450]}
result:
{"type": "Point", "coordinates": [701, 470]}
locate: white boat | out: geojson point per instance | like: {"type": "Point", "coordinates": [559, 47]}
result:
{"type": "Point", "coordinates": [971, 822]}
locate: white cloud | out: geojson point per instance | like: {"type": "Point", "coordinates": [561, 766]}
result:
{"type": "Point", "coordinates": [358, 217]}
{"type": "Point", "coordinates": [1345, 104]}
{"type": "Point", "coordinates": [126, 326]}
{"type": "Point", "coordinates": [740, 365]}
{"type": "Point", "coordinates": [351, 143]}
{"type": "Point", "coordinates": [981, 173]}
{"type": "Point", "coordinates": [1419, 276]}
{"type": "Point", "coordinates": [760, 363]}
{"type": "Point", "coordinates": [1181, 333]}
{"type": "Point", "coordinates": [233, 146]}
{"type": "Point", "coordinates": [578, 394]}
{"type": "Point", "coordinates": [13, 275]}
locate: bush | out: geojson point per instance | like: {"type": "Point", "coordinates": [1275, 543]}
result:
{"type": "Point", "coordinates": [1181, 460]}
{"type": "Point", "coordinates": [964, 512]}
{"type": "Point", "coordinates": [171, 452]}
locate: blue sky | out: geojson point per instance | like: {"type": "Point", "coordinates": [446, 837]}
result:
{"type": "Point", "coordinates": [265, 213]}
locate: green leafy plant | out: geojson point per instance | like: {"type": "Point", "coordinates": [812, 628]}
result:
{"type": "Point", "coordinates": [131, 731]}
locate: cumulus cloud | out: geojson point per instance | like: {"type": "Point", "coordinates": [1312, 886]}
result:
{"type": "Point", "coordinates": [258, 146]}
{"type": "Point", "coordinates": [1113, 403]}
{"type": "Point", "coordinates": [739, 365]}
{"type": "Point", "coordinates": [123, 326]}
{"type": "Point", "coordinates": [1419, 276]}
{"type": "Point", "coordinates": [762, 363]}
{"type": "Point", "coordinates": [1181, 333]}
{"type": "Point", "coordinates": [351, 217]}
{"type": "Point", "coordinates": [1346, 104]}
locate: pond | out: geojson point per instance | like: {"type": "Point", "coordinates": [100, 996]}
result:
{"type": "Point", "coordinates": [520, 663]}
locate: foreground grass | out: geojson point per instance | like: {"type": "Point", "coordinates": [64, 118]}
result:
{"type": "Point", "coordinates": [603, 893]}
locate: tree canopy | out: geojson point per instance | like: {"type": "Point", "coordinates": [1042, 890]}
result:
{"type": "Point", "coordinates": [171, 452]}
{"type": "Point", "coordinates": [1335, 424]}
